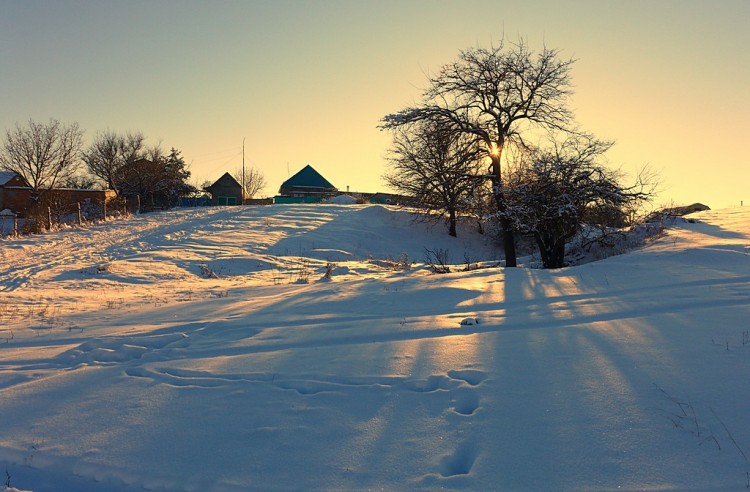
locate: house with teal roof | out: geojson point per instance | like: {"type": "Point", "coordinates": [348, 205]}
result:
{"type": "Point", "coordinates": [307, 186]}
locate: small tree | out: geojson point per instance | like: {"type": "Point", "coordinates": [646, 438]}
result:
{"type": "Point", "coordinates": [155, 179]}
{"type": "Point", "coordinates": [44, 155]}
{"type": "Point", "coordinates": [252, 179]}
{"type": "Point", "coordinates": [552, 193]}
{"type": "Point", "coordinates": [480, 203]}
{"type": "Point", "coordinates": [436, 167]}
{"type": "Point", "coordinates": [175, 179]}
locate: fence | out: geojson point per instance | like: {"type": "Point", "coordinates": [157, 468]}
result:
{"type": "Point", "coordinates": [41, 218]}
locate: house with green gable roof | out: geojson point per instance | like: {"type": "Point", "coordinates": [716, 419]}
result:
{"type": "Point", "coordinates": [307, 186]}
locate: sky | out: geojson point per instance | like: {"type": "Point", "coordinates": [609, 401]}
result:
{"type": "Point", "coordinates": [306, 82]}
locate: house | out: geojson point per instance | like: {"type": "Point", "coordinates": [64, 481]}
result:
{"type": "Point", "coordinates": [307, 186]}
{"type": "Point", "coordinates": [15, 192]}
{"type": "Point", "coordinates": [17, 196]}
{"type": "Point", "coordinates": [226, 191]}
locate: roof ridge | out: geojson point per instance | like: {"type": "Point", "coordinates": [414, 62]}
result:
{"type": "Point", "coordinates": [307, 177]}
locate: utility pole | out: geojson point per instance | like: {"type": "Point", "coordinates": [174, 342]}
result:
{"type": "Point", "coordinates": [243, 170]}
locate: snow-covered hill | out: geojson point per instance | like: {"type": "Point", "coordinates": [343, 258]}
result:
{"type": "Point", "coordinates": [180, 351]}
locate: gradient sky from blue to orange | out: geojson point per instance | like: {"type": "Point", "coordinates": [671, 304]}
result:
{"type": "Point", "coordinates": [307, 81]}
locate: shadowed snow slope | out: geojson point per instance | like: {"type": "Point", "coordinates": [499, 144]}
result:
{"type": "Point", "coordinates": [202, 350]}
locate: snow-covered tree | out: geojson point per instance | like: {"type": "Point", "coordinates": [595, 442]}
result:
{"type": "Point", "coordinates": [496, 95]}
{"type": "Point", "coordinates": [549, 194]}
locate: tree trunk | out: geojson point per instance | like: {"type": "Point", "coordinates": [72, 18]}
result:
{"type": "Point", "coordinates": [552, 251]}
{"type": "Point", "coordinates": [509, 243]}
{"type": "Point", "coordinates": [509, 240]}
{"type": "Point", "coordinates": [452, 223]}
{"type": "Point", "coordinates": [558, 256]}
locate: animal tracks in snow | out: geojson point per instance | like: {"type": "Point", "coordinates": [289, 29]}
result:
{"type": "Point", "coordinates": [456, 392]}
{"type": "Point", "coordinates": [104, 351]}
{"type": "Point", "coordinates": [460, 381]}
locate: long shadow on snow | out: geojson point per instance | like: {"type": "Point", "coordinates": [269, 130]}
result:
{"type": "Point", "coordinates": [707, 229]}
{"type": "Point", "coordinates": [343, 238]}
{"type": "Point", "coordinates": [511, 316]}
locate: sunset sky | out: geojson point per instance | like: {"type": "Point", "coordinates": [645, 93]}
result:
{"type": "Point", "coordinates": [306, 82]}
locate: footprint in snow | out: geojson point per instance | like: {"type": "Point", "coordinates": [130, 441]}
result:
{"type": "Point", "coordinates": [471, 376]}
{"type": "Point", "coordinates": [465, 401]}
{"type": "Point", "coordinates": [460, 462]}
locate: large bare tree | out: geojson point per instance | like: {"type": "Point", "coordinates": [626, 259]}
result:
{"type": "Point", "coordinates": [435, 166]}
{"type": "Point", "coordinates": [497, 95]}
{"type": "Point", "coordinates": [46, 155]}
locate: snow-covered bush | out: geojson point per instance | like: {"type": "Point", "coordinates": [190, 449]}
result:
{"type": "Point", "coordinates": [597, 243]}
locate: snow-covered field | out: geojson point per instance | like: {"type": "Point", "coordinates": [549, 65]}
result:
{"type": "Point", "coordinates": [184, 351]}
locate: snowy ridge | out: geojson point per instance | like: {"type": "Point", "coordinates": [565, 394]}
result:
{"type": "Point", "coordinates": [124, 365]}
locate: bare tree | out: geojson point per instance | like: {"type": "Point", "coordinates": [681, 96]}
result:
{"type": "Point", "coordinates": [497, 94]}
{"type": "Point", "coordinates": [133, 147]}
{"type": "Point", "coordinates": [436, 167]}
{"type": "Point", "coordinates": [80, 181]}
{"type": "Point", "coordinates": [253, 180]}
{"type": "Point", "coordinates": [140, 177]}
{"type": "Point", "coordinates": [45, 155]}
{"type": "Point", "coordinates": [103, 158]}
{"type": "Point", "coordinates": [110, 152]}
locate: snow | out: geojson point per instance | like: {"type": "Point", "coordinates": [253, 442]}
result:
{"type": "Point", "coordinates": [124, 366]}
{"type": "Point", "coordinates": [342, 200]}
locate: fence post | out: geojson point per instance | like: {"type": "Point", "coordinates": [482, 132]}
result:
{"type": "Point", "coordinates": [138, 204]}
{"type": "Point", "coordinates": [49, 218]}
{"type": "Point", "coordinates": [15, 224]}
{"type": "Point", "coordinates": [104, 208]}
{"type": "Point", "coordinates": [125, 206]}
{"type": "Point", "coordinates": [79, 213]}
